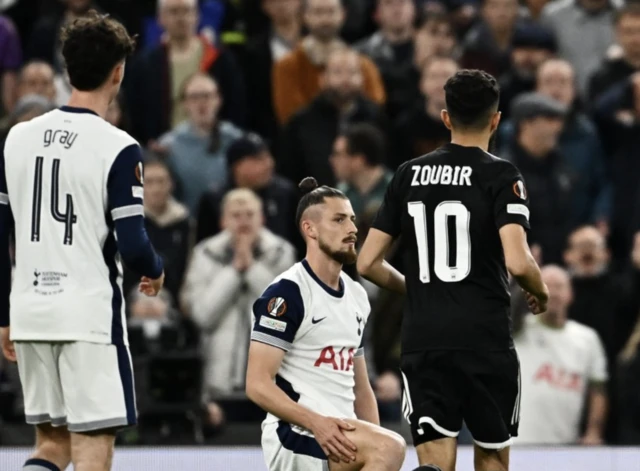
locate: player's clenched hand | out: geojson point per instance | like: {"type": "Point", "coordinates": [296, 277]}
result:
{"type": "Point", "coordinates": [536, 305]}
{"type": "Point", "coordinates": [151, 287]}
{"type": "Point", "coordinates": [7, 345]}
{"type": "Point", "coordinates": [328, 434]}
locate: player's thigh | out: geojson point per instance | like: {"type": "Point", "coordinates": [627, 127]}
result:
{"type": "Point", "coordinates": [285, 450]}
{"type": "Point", "coordinates": [98, 388]}
{"type": "Point", "coordinates": [374, 444]}
{"type": "Point", "coordinates": [432, 395]}
{"type": "Point", "coordinates": [41, 384]}
{"type": "Point", "coordinates": [491, 409]}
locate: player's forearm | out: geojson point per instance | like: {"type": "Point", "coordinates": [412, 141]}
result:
{"type": "Point", "coordinates": [272, 399]}
{"type": "Point", "coordinates": [598, 405]}
{"type": "Point", "coordinates": [136, 249]}
{"type": "Point", "coordinates": [527, 274]}
{"type": "Point", "coordinates": [383, 274]}
{"type": "Point", "coordinates": [366, 406]}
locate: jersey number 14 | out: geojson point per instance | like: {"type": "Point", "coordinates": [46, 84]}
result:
{"type": "Point", "coordinates": [441, 265]}
{"type": "Point", "coordinates": [68, 218]}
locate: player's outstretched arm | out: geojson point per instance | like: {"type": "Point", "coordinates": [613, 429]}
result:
{"type": "Point", "coordinates": [263, 365]}
{"type": "Point", "coordinates": [523, 267]}
{"type": "Point", "coordinates": [366, 405]}
{"type": "Point", "coordinates": [372, 265]}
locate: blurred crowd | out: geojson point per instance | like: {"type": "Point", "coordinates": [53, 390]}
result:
{"type": "Point", "coordinates": [234, 101]}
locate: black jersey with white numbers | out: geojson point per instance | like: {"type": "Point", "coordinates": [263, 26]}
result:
{"type": "Point", "coordinates": [448, 206]}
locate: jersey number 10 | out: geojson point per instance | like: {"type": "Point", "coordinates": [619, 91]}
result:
{"type": "Point", "coordinates": [441, 266]}
{"type": "Point", "coordinates": [68, 218]}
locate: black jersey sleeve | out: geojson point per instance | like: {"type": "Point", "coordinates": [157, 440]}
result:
{"type": "Point", "coordinates": [389, 216]}
{"type": "Point", "coordinates": [511, 201]}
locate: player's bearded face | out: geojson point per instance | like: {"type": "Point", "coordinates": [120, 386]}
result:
{"type": "Point", "coordinates": [346, 253]}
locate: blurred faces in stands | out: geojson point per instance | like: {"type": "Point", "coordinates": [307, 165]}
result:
{"type": "Point", "coordinates": [282, 11]}
{"type": "Point", "coordinates": [342, 79]}
{"type": "Point", "coordinates": [324, 19]}
{"type": "Point", "coordinates": [250, 162]}
{"type": "Point", "coordinates": [396, 17]}
{"type": "Point", "coordinates": [435, 73]}
{"type": "Point", "coordinates": [628, 34]}
{"type": "Point", "coordinates": [201, 100]}
{"type": "Point", "coordinates": [500, 15]}
{"type": "Point", "coordinates": [560, 295]}
{"type": "Point", "coordinates": [539, 120]}
{"type": "Point", "coordinates": [531, 45]}
{"type": "Point", "coordinates": [78, 7]}
{"type": "Point", "coordinates": [556, 79]}
{"type": "Point", "coordinates": [179, 18]}
{"type": "Point", "coordinates": [242, 215]}
{"type": "Point", "coordinates": [587, 254]}
{"type": "Point", "coordinates": [341, 160]}
{"type": "Point", "coordinates": [158, 186]}
{"type": "Point", "coordinates": [37, 78]}
{"type": "Point", "coordinates": [436, 37]}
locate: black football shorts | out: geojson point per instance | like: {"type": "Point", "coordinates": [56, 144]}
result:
{"type": "Point", "coordinates": [443, 388]}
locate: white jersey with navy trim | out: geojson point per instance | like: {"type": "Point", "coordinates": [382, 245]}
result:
{"type": "Point", "coordinates": [69, 175]}
{"type": "Point", "coordinates": [321, 330]}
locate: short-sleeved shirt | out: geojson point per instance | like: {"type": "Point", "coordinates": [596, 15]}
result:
{"type": "Point", "coordinates": [449, 206]}
{"type": "Point", "coordinates": [557, 367]}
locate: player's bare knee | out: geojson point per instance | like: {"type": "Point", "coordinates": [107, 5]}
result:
{"type": "Point", "coordinates": [53, 444]}
{"type": "Point", "coordinates": [389, 448]}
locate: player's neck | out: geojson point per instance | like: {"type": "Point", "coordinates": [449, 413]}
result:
{"type": "Point", "coordinates": [480, 140]}
{"type": "Point", "coordinates": [94, 101]}
{"type": "Point", "coordinates": [325, 268]}
{"type": "Point", "coordinates": [557, 321]}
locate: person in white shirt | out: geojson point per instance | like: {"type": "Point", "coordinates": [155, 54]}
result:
{"type": "Point", "coordinates": [71, 185]}
{"type": "Point", "coordinates": [562, 363]}
{"type": "Point", "coordinates": [306, 359]}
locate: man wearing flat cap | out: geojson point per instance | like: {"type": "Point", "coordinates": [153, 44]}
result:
{"type": "Point", "coordinates": [251, 165]}
{"type": "Point", "coordinates": [538, 121]}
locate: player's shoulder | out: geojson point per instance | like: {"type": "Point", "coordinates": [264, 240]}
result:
{"type": "Point", "coordinates": [581, 331]}
{"type": "Point", "coordinates": [287, 292]}
{"type": "Point", "coordinates": [357, 293]}
{"type": "Point", "coordinates": [26, 129]}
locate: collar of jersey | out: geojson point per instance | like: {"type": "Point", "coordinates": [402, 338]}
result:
{"type": "Point", "coordinates": [335, 293]}
{"type": "Point", "coordinates": [73, 109]}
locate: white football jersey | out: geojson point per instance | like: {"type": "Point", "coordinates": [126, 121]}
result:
{"type": "Point", "coordinates": [69, 175]}
{"type": "Point", "coordinates": [321, 330]}
{"type": "Point", "coordinates": [556, 368]}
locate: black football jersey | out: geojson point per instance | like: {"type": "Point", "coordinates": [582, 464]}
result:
{"type": "Point", "coordinates": [448, 207]}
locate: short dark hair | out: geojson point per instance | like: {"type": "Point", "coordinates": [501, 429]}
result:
{"type": "Point", "coordinates": [313, 195]}
{"type": "Point", "coordinates": [92, 46]}
{"type": "Point", "coordinates": [471, 96]}
{"type": "Point", "coordinates": [367, 140]}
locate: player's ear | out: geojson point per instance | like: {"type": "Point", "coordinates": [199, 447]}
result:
{"type": "Point", "coordinates": [309, 229]}
{"type": "Point", "coordinates": [446, 119]}
{"type": "Point", "coordinates": [118, 73]}
{"type": "Point", "coordinates": [495, 121]}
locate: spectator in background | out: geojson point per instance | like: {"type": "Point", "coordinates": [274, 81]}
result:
{"type": "Point", "coordinates": [549, 183]}
{"type": "Point", "coordinates": [37, 78]}
{"type": "Point", "coordinates": [296, 77]}
{"type": "Point", "coordinates": [261, 53]}
{"type": "Point", "coordinates": [157, 77]}
{"type": "Point", "coordinates": [487, 46]}
{"type": "Point", "coordinates": [392, 49]}
{"type": "Point", "coordinates": [309, 136]}
{"type": "Point", "coordinates": [44, 42]}
{"type": "Point", "coordinates": [584, 31]}
{"type": "Point", "coordinates": [562, 363]}
{"type": "Point", "coordinates": [10, 61]}
{"type": "Point", "coordinates": [617, 115]}
{"type": "Point", "coordinates": [168, 224]}
{"type": "Point", "coordinates": [196, 148]}
{"type": "Point", "coordinates": [435, 38]}
{"type": "Point", "coordinates": [251, 166]}
{"type": "Point", "coordinates": [227, 273]}
{"type": "Point", "coordinates": [614, 70]}
{"type": "Point", "coordinates": [579, 146]}
{"type": "Point", "coordinates": [531, 45]}
{"type": "Point", "coordinates": [150, 315]}
{"type": "Point", "coordinates": [420, 130]}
